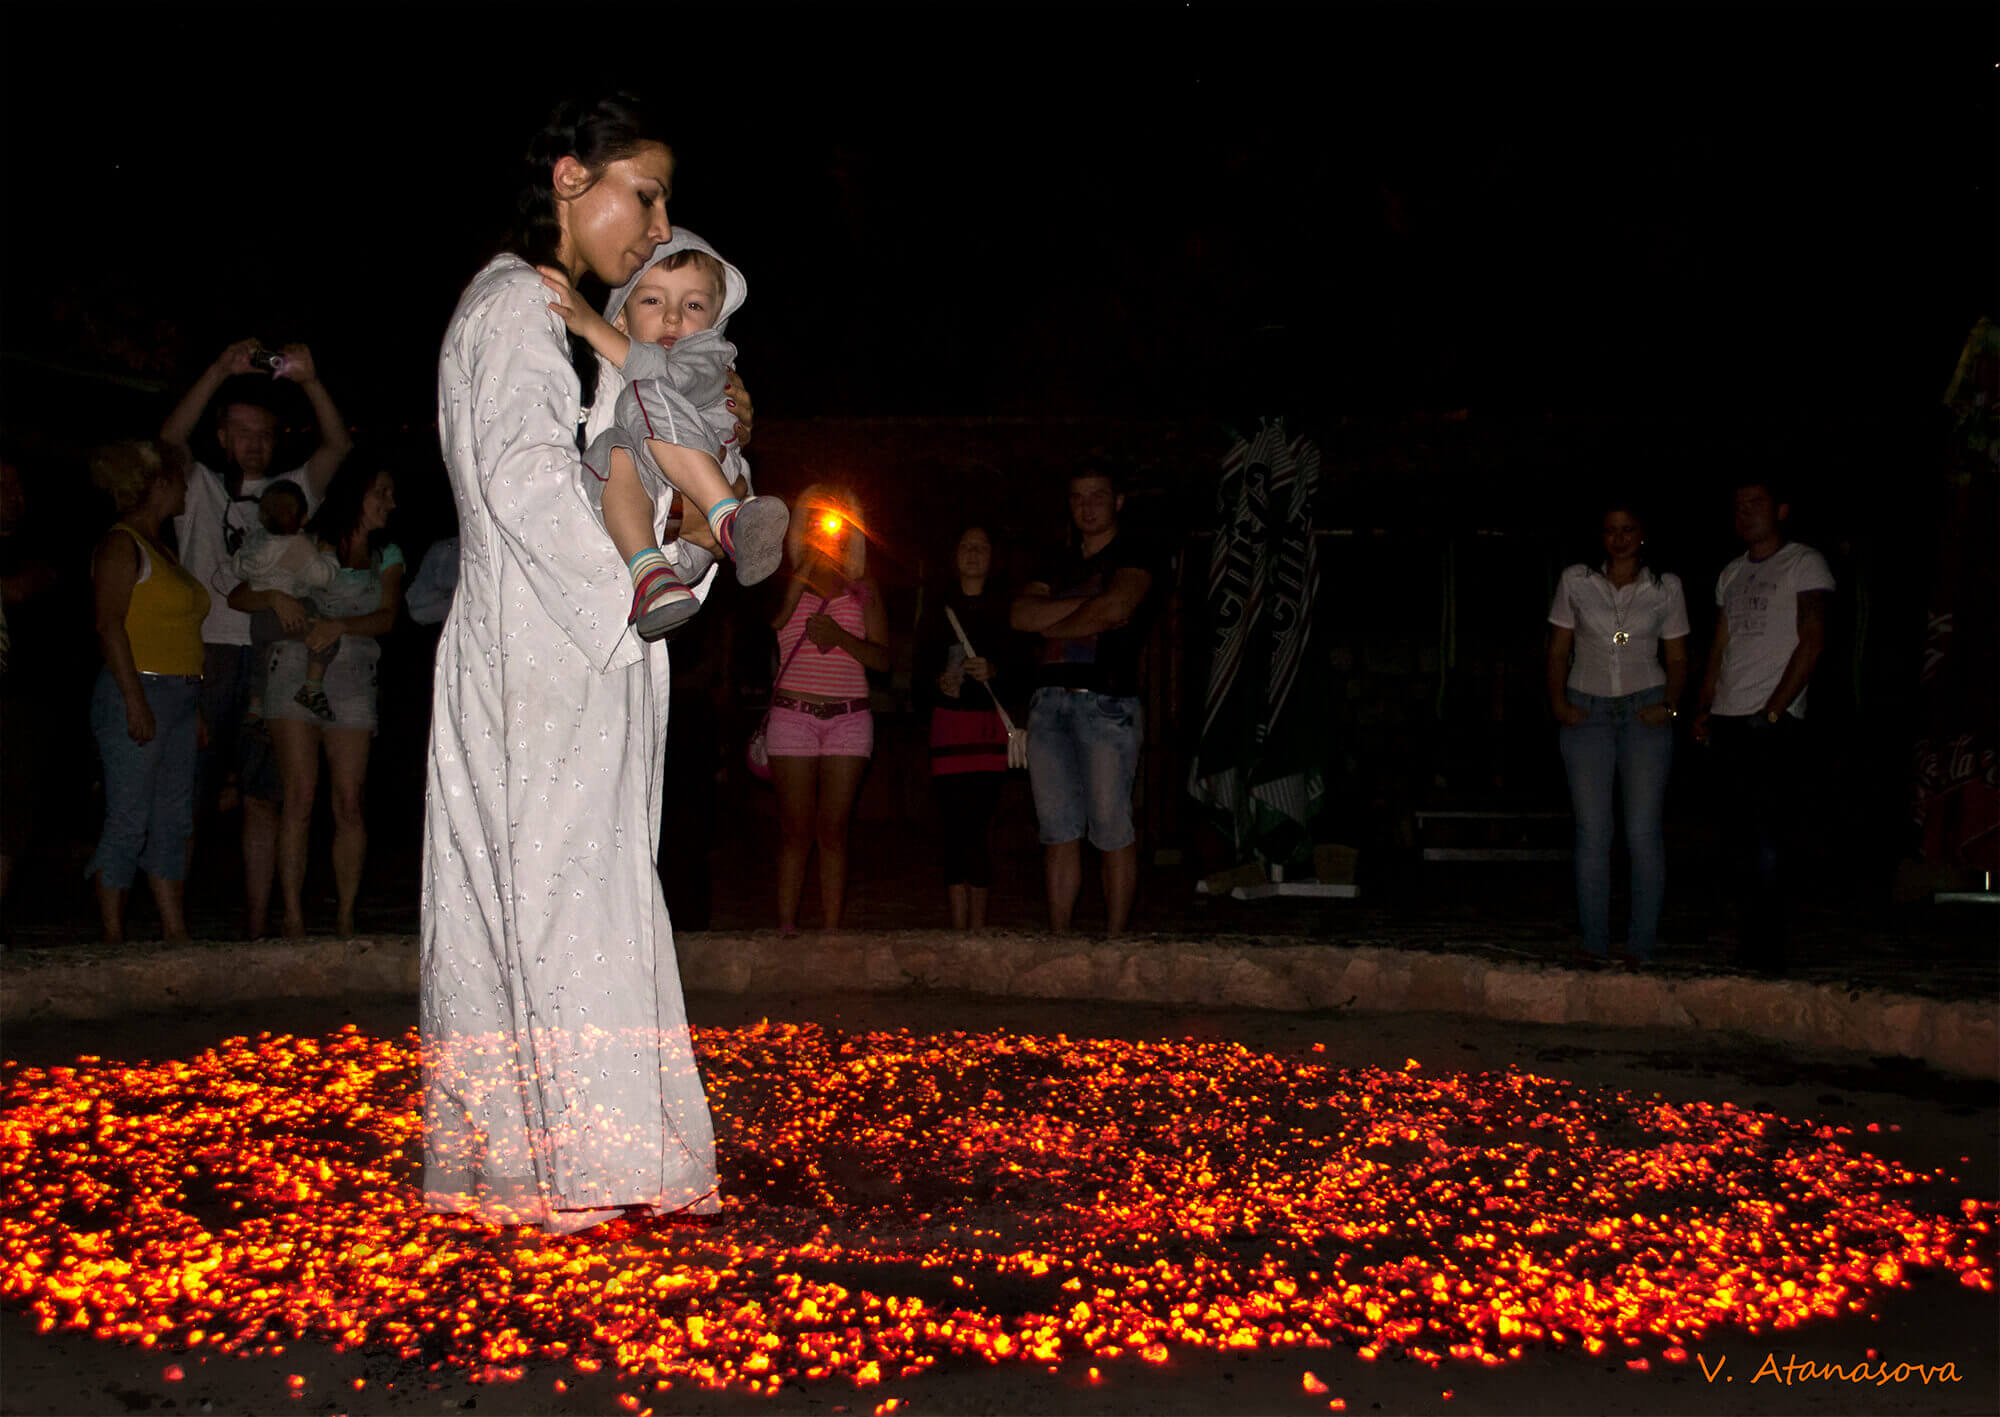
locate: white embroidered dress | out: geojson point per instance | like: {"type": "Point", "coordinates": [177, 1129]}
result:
{"type": "Point", "coordinates": [559, 1081]}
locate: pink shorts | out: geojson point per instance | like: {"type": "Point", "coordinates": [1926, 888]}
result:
{"type": "Point", "coordinates": [794, 734]}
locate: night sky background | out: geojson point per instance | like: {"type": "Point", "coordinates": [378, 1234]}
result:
{"type": "Point", "coordinates": [1705, 236]}
{"type": "Point", "coordinates": [954, 210]}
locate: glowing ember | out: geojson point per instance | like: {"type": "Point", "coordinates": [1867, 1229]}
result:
{"type": "Point", "coordinates": [892, 1201]}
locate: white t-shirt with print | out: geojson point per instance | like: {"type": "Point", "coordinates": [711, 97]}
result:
{"type": "Point", "coordinates": [1760, 602]}
{"type": "Point", "coordinates": [210, 531]}
{"type": "Point", "coordinates": [1618, 629]}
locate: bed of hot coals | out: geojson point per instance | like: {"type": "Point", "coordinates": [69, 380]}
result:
{"type": "Point", "coordinates": [893, 1201]}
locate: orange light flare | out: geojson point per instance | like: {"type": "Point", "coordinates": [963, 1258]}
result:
{"type": "Point", "coordinates": [893, 1202]}
{"type": "Point", "coordinates": [825, 521]}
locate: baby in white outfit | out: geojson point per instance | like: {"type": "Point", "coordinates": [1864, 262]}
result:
{"type": "Point", "coordinates": [277, 555]}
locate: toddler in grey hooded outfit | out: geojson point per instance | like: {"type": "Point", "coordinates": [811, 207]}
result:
{"type": "Point", "coordinates": [663, 330]}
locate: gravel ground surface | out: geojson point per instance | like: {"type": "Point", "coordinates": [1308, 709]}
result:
{"type": "Point", "coordinates": [1943, 1123]}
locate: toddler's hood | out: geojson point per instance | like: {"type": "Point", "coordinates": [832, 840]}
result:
{"type": "Point", "coordinates": [735, 288]}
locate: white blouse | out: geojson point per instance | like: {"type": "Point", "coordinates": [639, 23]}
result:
{"type": "Point", "coordinates": [1618, 630]}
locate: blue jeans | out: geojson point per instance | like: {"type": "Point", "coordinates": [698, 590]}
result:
{"type": "Point", "coordinates": [1083, 753]}
{"type": "Point", "coordinates": [1612, 744]}
{"type": "Point", "coordinates": [148, 787]}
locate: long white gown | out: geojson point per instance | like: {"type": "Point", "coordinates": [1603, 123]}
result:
{"type": "Point", "coordinates": [559, 1081]}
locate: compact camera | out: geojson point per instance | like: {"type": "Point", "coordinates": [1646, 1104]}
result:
{"type": "Point", "coordinates": [268, 360]}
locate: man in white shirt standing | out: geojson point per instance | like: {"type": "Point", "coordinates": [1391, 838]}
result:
{"type": "Point", "coordinates": [221, 508]}
{"type": "Point", "coordinates": [1770, 628]}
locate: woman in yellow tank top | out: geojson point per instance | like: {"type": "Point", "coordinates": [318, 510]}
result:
{"type": "Point", "coordinates": [144, 711]}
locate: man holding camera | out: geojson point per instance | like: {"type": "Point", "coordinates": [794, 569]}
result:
{"type": "Point", "coordinates": [221, 509]}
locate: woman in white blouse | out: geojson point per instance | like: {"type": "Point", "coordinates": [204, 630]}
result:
{"type": "Point", "coordinates": [1617, 666]}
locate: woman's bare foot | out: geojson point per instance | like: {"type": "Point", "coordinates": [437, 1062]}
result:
{"type": "Point", "coordinates": [295, 927]}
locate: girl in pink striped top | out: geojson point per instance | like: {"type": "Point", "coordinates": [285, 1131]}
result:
{"type": "Point", "coordinates": [831, 629]}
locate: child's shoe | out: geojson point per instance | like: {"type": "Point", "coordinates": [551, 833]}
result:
{"type": "Point", "coordinates": [661, 605]}
{"type": "Point", "coordinates": [312, 696]}
{"type": "Point", "coordinates": [756, 538]}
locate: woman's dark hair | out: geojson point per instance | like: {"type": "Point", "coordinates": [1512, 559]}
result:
{"type": "Point", "coordinates": [597, 131]}
{"type": "Point", "coordinates": [340, 513]}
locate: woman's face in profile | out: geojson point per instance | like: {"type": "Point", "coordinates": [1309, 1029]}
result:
{"type": "Point", "coordinates": [974, 556]}
{"type": "Point", "coordinates": [614, 224]}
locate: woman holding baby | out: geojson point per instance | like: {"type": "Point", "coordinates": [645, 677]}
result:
{"type": "Point", "coordinates": [339, 717]}
{"type": "Point", "coordinates": [560, 1082]}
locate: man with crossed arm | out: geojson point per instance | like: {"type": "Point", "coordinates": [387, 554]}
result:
{"type": "Point", "coordinates": [1093, 604]}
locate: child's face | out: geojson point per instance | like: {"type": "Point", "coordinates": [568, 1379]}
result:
{"type": "Point", "coordinates": [666, 304]}
{"type": "Point", "coordinates": [280, 515]}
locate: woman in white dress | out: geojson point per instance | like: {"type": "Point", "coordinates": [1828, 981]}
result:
{"type": "Point", "coordinates": [560, 1084]}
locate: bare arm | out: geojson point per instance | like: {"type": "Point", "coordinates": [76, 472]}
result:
{"type": "Point", "coordinates": [873, 652]}
{"type": "Point", "coordinates": [582, 321]}
{"type": "Point", "coordinates": [1562, 640]}
{"type": "Point", "coordinates": [114, 572]}
{"type": "Point", "coordinates": [292, 616]}
{"type": "Point", "coordinates": [1105, 611]}
{"type": "Point", "coordinates": [1035, 609]}
{"type": "Point", "coordinates": [180, 424]}
{"type": "Point", "coordinates": [1805, 654]}
{"type": "Point", "coordinates": [875, 621]}
{"type": "Point", "coordinates": [794, 588]}
{"type": "Point", "coordinates": [334, 442]}
{"type": "Point", "coordinates": [1676, 655]}
{"type": "Point", "coordinates": [378, 621]}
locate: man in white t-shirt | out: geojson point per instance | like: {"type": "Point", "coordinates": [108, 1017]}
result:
{"type": "Point", "coordinates": [1770, 627]}
{"type": "Point", "coordinates": [221, 508]}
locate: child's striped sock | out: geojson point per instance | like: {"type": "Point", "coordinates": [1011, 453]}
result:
{"type": "Point", "coordinates": [653, 581]}
{"type": "Point", "coordinates": [722, 521]}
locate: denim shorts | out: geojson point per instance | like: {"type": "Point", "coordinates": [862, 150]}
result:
{"type": "Point", "coordinates": [351, 685]}
{"type": "Point", "coordinates": [1083, 754]}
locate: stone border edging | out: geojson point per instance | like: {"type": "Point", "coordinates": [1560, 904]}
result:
{"type": "Point", "coordinates": [1285, 975]}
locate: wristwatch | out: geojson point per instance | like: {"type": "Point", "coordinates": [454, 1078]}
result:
{"type": "Point", "coordinates": [1771, 717]}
